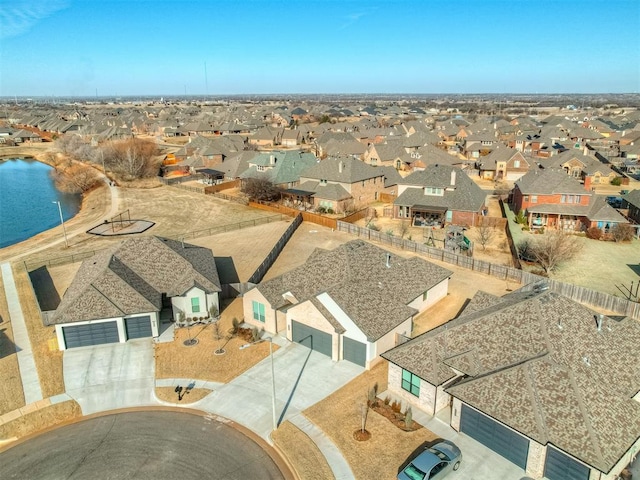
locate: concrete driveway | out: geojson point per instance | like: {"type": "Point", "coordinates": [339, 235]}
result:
{"type": "Point", "coordinates": [303, 377]}
{"type": "Point", "coordinates": [106, 377]}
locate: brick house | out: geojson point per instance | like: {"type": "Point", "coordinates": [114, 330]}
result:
{"type": "Point", "coordinates": [343, 183]}
{"type": "Point", "coordinates": [559, 398]}
{"type": "Point", "coordinates": [504, 163]}
{"type": "Point", "coordinates": [437, 195]}
{"type": "Point", "coordinates": [552, 199]}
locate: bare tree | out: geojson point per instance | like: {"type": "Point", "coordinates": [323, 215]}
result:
{"type": "Point", "coordinates": [554, 247]}
{"type": "Point", "coordinates": [622, 232]}
{"type": "Point", "coordinates": [75, 178]}
{"type": "Point", "coordinates": [261, 188]}
{"type": "Point", "coordinates": [485, 234]}
{"type": "Point", "coordinates": [132, 158]}
{"type": "Point", "coordinates": [404, 228]}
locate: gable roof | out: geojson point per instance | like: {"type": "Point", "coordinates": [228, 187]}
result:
{"type": "Point", "coordinates": [522, 357]}
{"type": "Point", "coordinates": [343, 170]}
{"type": "Point", "coordinates": [549, 181]}
{"type": "Point", "coordinates": [132, 276]}
{"type": "Point", "coordinates": [465, 195]}
{"type": "Point", "coordinates": [356, 277]}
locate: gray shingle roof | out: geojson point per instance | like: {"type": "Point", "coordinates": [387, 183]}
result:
{"type": "Point", "coordinates": [549, 181]}
{"type": "Point", "coordinates": [353, 170]}
{"type": "Point", "coordinates": [466, 196]}
{"type": "Point", "coordinates": [131, 278]}
{"type": "Point", "coordinates": [524, 370]}
{"type": "Point", "coordinates": [356, 277]}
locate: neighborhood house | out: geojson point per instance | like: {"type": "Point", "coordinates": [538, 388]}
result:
{"type": "Point", "coordinates": [351, 303]}
{"type": "Point", "coordinates": [122, 293]}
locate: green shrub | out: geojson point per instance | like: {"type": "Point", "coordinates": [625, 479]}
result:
{"type": "Point", "coordinates": [330, 211]}
{"type": "Point", "coordinates": [617, 181]}
{"type": "Point", "coordinates": [373, 226]}
{"type": "Point", "coordinates": [521, 218]}
{"type": "Point", "coordinates": [321, 210]}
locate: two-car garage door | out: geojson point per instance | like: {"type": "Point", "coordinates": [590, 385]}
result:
{"type": "Point", "coordinates": [91, 334]}
{"type": "Point", "coordinates": [502, 440]}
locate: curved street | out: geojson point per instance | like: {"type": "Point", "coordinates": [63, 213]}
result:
{"type": "Point", "coordinates": [141, 445]}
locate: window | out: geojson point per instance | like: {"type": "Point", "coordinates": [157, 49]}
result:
{"type": "Point", "coordinates": [534, 199]}
{"type": "Point", "coordinates": [258, 311]}
{"type": "Point", "coordinates": [195, 305]}
{"type": "Point", "coordinates": [434, 191]}
{"type": "Point", "coordinates": [516, 164]}
{"type": "Point", "coordinates": [525, 198]}
{"type": "Point", "coordinates": [410, 383]}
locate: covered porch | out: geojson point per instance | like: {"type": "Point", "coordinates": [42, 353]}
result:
{"type": "Point", "coordinates": [428, 215]}
{"type": "Point", "coordinates": [295, 198]}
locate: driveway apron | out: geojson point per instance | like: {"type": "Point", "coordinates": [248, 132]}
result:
{"type": "Point", "coordinates": [107, 377]}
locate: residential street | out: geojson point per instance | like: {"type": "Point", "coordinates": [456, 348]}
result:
{"type": "Point", "coordinates": [141, 445]}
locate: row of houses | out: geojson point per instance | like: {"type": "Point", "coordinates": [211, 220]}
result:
{"type": "Point", "coordinates": [545, 382]}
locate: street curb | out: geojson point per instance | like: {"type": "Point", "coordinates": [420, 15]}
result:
{"type": "Point", "coordinates": [281, 463]}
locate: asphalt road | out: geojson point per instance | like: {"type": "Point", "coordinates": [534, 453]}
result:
{"type": "Point", "coordinates": [140, 445]}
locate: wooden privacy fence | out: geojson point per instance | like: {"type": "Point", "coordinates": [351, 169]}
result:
{"type": "Point", "coordinates": [577, 293]}
{"type": "Point", "coordinates": [275, 251]}
{"type": "Point", "coordinates": [292, 212]}
{"type": "Point", "coordinates": [209, 189]}
{"type": "Point", "coordinates": [386, 197]}
{"type": "Point", "coordinates": [354, 217]}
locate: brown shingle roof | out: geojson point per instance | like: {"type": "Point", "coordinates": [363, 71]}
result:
{"type": "Point", "coordinates": [131, 278]}
{"type": "Point", "coordinates": [535, 361]}
{"type": "Point", "coordinates": [356, 277]}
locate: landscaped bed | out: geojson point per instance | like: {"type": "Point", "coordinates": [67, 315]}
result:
{"type": "Point", "coordinates": [339, 417]}
{"type": "Point", "coordinates": [205, 360]}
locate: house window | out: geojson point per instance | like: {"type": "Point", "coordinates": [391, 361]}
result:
{"type": "Point", "coordinates": [433, 191]}
{"type": "Point", "coordinates": [525, 198]}
{"type": "Point", "coordinates": [195, 305]}
{"type": "Point", "coordinates": [534, 199]}
{"type": "Point", "coordinates": [516, 164]}
{"type": "Point", "coordinates": [258, 311]}
{"type": "Point", "coordinates": [410, 383]}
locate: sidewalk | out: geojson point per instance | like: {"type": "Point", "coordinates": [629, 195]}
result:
{"type": "Point", "coordinates": [26, 363]}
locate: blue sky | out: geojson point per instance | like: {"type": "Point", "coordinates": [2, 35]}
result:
{"type": "Point", "coordinates": [160, 47]}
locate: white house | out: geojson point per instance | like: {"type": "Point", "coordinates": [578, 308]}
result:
{"type": "Point", "coordinates": [350, 303]}
{"type": "Point", "coordinates": [119, 293]}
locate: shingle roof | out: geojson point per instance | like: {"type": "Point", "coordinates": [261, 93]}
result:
{"type": "Point", "coordinates": [466, 196]}
{"type": "Point", "coordinates": [356, 277]}
{"type": "Point", "coordinates": [523, 360]}
{"type": "Point", "coordinates": [344, 170]}
{"type": "Point", "coordinates": [131, 278]}
{"type": "Point", "coordinates": [549, 181]}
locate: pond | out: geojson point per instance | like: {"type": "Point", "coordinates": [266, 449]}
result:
{"type": "Point", "coordinates": [28, 200]}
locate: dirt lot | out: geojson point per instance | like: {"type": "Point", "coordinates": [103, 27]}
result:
{"type": "Point", "coordinates": [338, 416]}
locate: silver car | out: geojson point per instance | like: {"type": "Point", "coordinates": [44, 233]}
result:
{"type": "Point", "coordinates": [434, 463]}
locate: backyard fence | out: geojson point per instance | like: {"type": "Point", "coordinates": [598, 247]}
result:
{"type": "Point", "coordinates": [509, 274]}
{"type": "Point", "coordinates": [275, 251]}
{"type": "Point", "coordinates": [76, 257]}
{"type": "Point", "coordinates": [292, 212]}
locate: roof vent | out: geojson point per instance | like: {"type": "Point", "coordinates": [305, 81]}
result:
{"type": "Point", "coordinates": [388, 260]}
{"type": "Point", "coordinates": [560, 324]}
{"type": "Point", "coordinates": [599, 319]}
{"type": "Point", "coordinates": [586, 361]}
